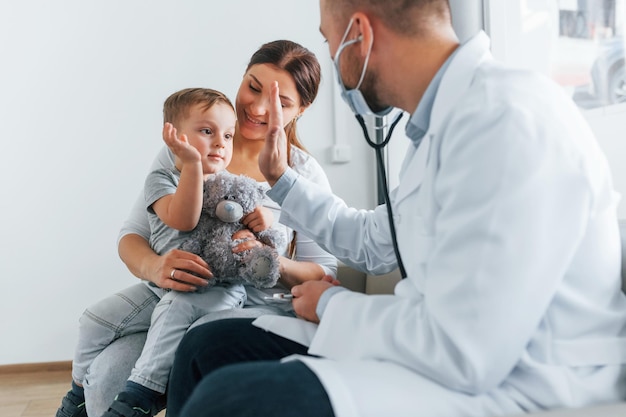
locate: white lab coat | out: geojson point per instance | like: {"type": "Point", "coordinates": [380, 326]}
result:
{"type": "Point", "coordinates": [512, 252]}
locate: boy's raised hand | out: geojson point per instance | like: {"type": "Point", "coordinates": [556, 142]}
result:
{"type": "Point", "coordinates": [179, 146]}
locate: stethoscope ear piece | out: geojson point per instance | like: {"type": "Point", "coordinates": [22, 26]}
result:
{"type": "Point", "coordinates": [359, 38]}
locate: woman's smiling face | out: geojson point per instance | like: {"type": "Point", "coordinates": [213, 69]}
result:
{"type": "Point", "coordinates": [252, 101]}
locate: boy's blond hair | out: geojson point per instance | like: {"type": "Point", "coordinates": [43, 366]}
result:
{"type": "Point", "coordinates": [176, 106]}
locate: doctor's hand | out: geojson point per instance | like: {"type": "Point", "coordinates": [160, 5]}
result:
{"type": "Point", "coordinates": [306, 296]}
{"type": "Point", "coordinates": [273, 156]}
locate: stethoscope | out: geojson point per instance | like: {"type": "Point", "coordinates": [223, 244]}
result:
{"type": "Point", "coordinates": [378, 148]}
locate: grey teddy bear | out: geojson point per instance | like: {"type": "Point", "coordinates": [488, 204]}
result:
{"type": "Point", "coordinates": [228, 198]}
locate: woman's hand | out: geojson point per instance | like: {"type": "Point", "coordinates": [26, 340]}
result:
{"type": "Point", "coordinates": [173, 270]}
{"type": "Point", "coordinates": [258, 220]}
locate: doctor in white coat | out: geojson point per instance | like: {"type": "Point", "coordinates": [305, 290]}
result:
{"type": "Point", "coordinates": [510, 243]}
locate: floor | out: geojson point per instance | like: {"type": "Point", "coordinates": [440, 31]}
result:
{"type": "Point", "coordinates": [34, 394]}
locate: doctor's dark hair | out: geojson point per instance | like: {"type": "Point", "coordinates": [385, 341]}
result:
{"type": "Point", "coordinates": [406, 17]}
{"type": "Point", "coordinates": [303, 67]}
{"type": "Point", "coordinates": [178, 105]}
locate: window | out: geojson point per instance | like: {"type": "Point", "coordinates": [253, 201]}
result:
{"type": "Point", "coordinates": [589, 58]}
{"type": "Point", "coordinates": [579, 44]}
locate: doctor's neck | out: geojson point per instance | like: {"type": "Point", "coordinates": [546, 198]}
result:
{"type": "Point", "coordinates": [409, 74]}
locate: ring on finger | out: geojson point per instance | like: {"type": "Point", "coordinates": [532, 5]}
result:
{"type": "Point", "coordinates": [172, 273]}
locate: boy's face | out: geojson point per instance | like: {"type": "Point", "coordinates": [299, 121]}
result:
{"type": "Point", "coordinates": [211, 132]}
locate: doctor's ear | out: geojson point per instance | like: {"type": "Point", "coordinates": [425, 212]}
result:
{"type": "Point", "coordinates": [363, 25]}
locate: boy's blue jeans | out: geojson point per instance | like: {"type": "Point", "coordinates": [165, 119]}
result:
{"type": "Point", "coordinates": [107, 373]}
{"type": "Point", "coordinates": [166, 314]}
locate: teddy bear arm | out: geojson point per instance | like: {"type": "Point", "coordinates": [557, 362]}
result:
{"type": "Point", "coordinates": [193, 244]}
{"type": "Point", "coordinates": [271, 237]}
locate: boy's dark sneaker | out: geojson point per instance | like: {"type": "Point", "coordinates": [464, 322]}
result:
{"type": "Point", "coordinates": [124, 406]}
{"type": "Point", "coordinates": [72, 406]}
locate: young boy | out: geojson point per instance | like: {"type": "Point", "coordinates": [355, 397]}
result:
{"type": "Point", "coordinates": [198, 128]}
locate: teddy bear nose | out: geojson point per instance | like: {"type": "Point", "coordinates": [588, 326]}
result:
{"type": "Point", "coordinates": [229, 211]}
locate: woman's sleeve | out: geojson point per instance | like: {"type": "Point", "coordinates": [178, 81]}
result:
{"type": "Point", "coordinates": [137, 221]}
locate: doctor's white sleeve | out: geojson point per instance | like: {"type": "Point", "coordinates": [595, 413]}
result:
{"type": "Point", "coordinates": [359, 238]}
{"type": "Point", "coordinates": [307, 250]}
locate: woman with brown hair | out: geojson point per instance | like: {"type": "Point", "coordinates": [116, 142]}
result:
{"type": "Point", "coordinates": [298, 74]}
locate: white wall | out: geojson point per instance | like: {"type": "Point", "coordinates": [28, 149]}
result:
{"type": "Point", "coordinates": [81, 91]}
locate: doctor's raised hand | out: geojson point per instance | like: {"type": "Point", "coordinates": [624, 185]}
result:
{"type": "Point", "coordinates": [273, 156]}
{"type": "Point", "coordinates": [273, 164]}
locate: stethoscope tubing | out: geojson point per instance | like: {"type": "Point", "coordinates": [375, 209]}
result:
{"type": "Point", "coordinates": [378, 148]}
